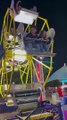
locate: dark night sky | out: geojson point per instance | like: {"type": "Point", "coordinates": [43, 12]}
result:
{"type": "Point", "coordinates": [56, 13]}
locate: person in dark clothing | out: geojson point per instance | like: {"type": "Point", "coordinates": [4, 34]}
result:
{"type": "Point", "coordinates": [30, 39]}
{"type": "Point", "coordinates": [33, 31]}
{"type": "Point", "coordinates": [64, 98]}
{"type": "Point", "coordinates": [44, 41]}
{"type": "Point", "coordinates": [64, 104]}
{"type": "Point", "coordinates": [42, 35]}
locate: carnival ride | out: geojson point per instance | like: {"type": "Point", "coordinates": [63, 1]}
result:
{"type": "Point", "coordinates": [14, 51]}
{"type": "Point", "coordinates": [29, 64]}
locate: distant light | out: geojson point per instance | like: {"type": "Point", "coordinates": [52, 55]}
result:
{"type": "Point", "coordinates": [63, 86]}
{"type": "Point", "coordinates": [41, 58]}
{"type": "Point", "coordinates": [10, 37]}
{"type": "Point", "coordinates": [26, 16]}
{"type": "Point", "coordinates": [19, 55]}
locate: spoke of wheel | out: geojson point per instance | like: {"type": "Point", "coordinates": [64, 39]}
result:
{"type": "Point", "coordinates": [35, 71]}
{"type": "Point", "coordinates": [22, 73]}
{"type": "Point", "coordinates": [31, 72]}
{"type": "Point", "coordinates": [28, 72]}
{"type": "Point", "coordinates": [41, 63]}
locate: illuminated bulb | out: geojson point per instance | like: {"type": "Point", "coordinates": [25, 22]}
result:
{"type": "Point", "coordinates": [19, 55]}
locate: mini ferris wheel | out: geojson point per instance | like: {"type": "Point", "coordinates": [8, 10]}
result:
{"type": "Point", "coordinates": [16, 55]}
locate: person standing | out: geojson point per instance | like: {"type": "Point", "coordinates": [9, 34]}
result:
{"type": "Point", "coordinates": [64, 98]}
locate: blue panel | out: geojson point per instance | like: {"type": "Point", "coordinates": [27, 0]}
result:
{"type": "Point", "coordinates": [63, 80]}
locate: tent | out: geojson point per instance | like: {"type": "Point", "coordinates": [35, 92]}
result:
{"type": "Point", "coordinates": [60, 74]}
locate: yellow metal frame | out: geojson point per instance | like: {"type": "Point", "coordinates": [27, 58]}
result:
{"type": "Point", "coordinates": [8, 53]}
{"type": "Point", "coordinates": [44, 115]}
{"type": "Point", "coordinates": [41, 116]}
{"type": "Point", "coordinates": [29, 66]}
{"type": "Point", "coordinates": [45, 22]}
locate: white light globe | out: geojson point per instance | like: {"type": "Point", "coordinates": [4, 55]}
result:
{"type": "Point", "coordinates": [19, 55]}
